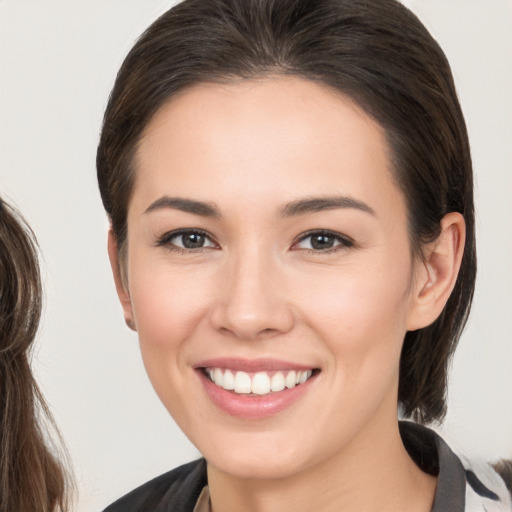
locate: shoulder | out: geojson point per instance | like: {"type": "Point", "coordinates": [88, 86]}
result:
{"type": "Point", "coordinates": [463, 485]}
{"type": "Point", "coordinates": [177, 490]}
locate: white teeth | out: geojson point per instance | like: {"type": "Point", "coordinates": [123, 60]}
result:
{"type": "Point", "coordinates": [291, 379]}
{"type": "Point", "coordinates": [228, 381]}
{"type": "Point", "coordinates": [277, 382]}
{"type": "Point", "coordinates": [217, 376]}
{"type": "Point", "coordinates": [260, 383]}
{"type": "Point", "coordinates": [242, 383]}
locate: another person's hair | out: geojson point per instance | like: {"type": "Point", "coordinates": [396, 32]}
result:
{"type": "Point", "coordinates": [504, 469]}
{"type": "Point", "coordinates": [31, 478]}
{"type": "Point", "coordinates": [374, 51]}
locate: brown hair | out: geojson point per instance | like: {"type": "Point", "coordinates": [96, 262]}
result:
{"type": "Point", "coordinates": [504, 469]}
{"type": "Point", "coordinates": [31, 478]}
{"type": "Point", "coordinates": [376, 52]}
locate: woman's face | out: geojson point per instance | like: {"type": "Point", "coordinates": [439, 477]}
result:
{"type": "Point", "coordinates": [268, 244]}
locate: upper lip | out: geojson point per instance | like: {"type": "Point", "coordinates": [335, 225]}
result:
{"type": "Point", "coordinates": [251, 365]}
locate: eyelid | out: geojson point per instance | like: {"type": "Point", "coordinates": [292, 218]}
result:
{"type": "Point", "coordinates": [345, 240]}
{"type": "Point", "coordinates": [165, 239]}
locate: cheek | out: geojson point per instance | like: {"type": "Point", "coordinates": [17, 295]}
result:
{"type": "Point", "coordinates": [168, 305]}
{"type": "Point", "coordinates": [359, 299]}
{"type": "Point", "coordinates": [361, 315]}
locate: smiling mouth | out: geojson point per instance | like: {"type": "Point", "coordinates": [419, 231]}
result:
{"type": "Point", "coordinates": [258, 383]}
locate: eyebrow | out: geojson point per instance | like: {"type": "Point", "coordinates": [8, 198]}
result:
{"type": "Point", "coordinates": [295, 208]}
{"type": "Point", "coordinates": [317, 204]}
{"type": "Point", "coordinates": [200, 208]}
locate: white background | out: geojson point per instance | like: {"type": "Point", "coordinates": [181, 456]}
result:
{"type": "Point", "coordinates": [58, 61]}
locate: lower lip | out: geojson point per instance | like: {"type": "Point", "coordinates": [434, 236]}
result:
{"type": "Point", "coordinates": [253, 407]}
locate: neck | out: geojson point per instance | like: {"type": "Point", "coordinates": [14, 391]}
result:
{"type": "Point", "coordinates": [373, 473]}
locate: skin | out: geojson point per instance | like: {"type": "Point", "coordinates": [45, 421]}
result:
{"type": "Point", "coordinates": [259, 290]}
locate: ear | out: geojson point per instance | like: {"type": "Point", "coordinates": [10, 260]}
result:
{"type": "Point", "coordinates": [121, 284]}
{"type": "Point", "coordinates": [436, 274]}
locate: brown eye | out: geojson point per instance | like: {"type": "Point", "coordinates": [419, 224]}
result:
{"type": "Point", "coordinates": [323, 241]}
{"type": "Point", "coordinates": [319, 242]}
{"type": "Point", "coordinates": [186, 239]}
{"type": "Point", "coordinates": [192, 240]}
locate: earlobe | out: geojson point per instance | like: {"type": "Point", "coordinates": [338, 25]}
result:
{"type": "Point", "coordinates": [437, 272]}
{"type": "Point", "coordinates": [121, 285]}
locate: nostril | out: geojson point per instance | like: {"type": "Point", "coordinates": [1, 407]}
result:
{"type": "Point", "coordinates": [268, 331]}
{"type": "Point", "coordinates": [250, 335]}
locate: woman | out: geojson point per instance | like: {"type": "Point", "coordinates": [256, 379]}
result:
{"type": "Point", "coordinates": [289, 186]}
{"type": "Point", "coordinates": [31, 478]}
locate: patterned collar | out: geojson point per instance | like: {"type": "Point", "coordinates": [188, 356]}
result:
{"type": "Point", "coordinates": [459, 489]}
{"type": "Point", "coordinates": [455, 484]}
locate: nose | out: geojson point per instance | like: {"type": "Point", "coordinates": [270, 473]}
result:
{"type": "Point", "coordinates": [252, 302]}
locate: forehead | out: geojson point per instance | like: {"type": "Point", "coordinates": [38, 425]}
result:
{"type": "Point", "coordinates": [267, 138]}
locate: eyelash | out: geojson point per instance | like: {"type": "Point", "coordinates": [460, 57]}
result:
{"type": "Point", "coordinates": [166, 240]}
{"type": "Point", "coordinates": [344, 242]}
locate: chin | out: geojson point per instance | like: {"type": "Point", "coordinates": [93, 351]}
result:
{"type": "Point", "coordinates": [256, 469]}
{"type": "Point", "coordinates": [257, 463]}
